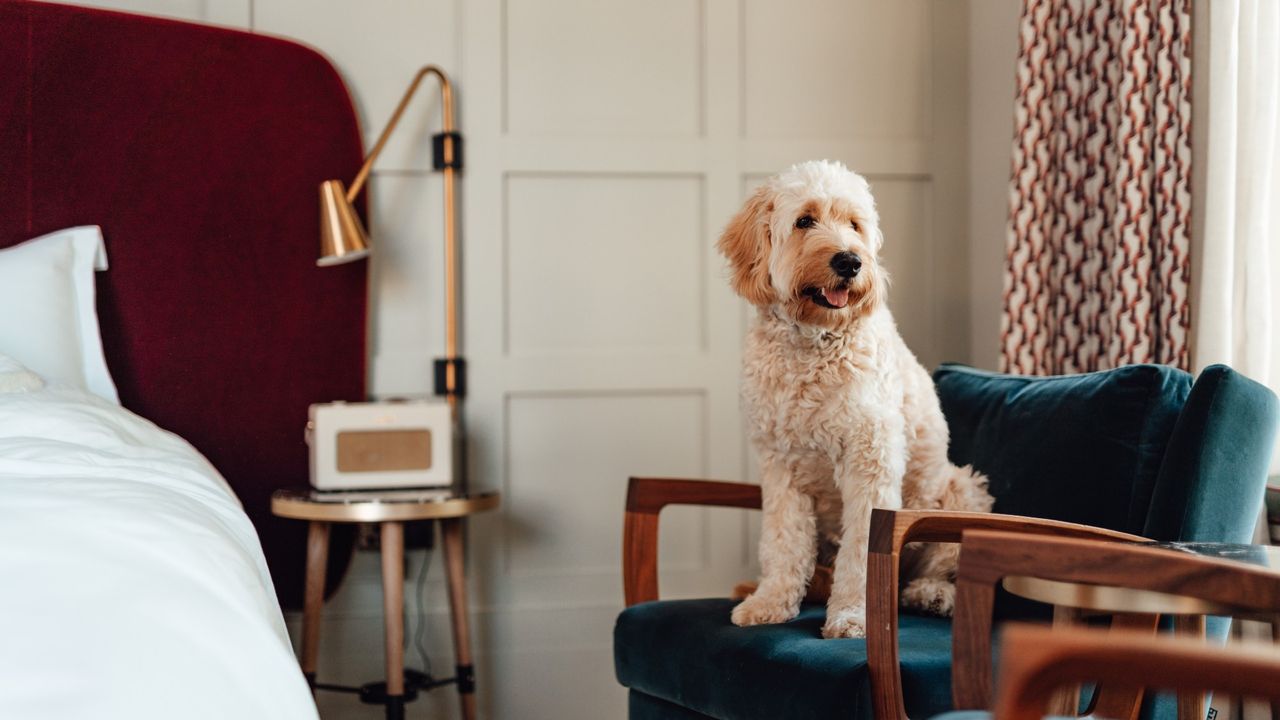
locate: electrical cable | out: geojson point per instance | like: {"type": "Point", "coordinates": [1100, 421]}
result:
{"type": "Point", "coordinates": [419, 628]}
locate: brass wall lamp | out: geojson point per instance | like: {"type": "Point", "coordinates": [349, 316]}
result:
{"type": "Point", "coordinates": [343, 237]}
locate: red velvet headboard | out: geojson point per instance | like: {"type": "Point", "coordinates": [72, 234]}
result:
{"type": "Point", "coordinates": [199, 151]}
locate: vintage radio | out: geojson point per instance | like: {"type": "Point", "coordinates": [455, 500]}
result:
{"type": "Point", "coordinates": [381, 445]}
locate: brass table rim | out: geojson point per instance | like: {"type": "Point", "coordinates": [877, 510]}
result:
{"type": "Point", "coordinates": [1111, 599]}
{"type": "Point", "coordinates": [298, 505]}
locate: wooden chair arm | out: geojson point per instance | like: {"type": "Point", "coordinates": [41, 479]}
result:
{"type": "Point", "coordinates": [893, 529]}
{"type": "Point", "coordinates": [988, 557]}
{"type": "Point", "coordinates": [645, 499]}
{"type": "Point", "coordinates": [1034, 661]}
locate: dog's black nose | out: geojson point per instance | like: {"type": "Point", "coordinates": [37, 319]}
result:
{"type": "Point", "coordinates": [846, 264]}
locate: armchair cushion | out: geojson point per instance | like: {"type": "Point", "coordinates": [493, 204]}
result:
{"type": "Point", "coordinates": [1080, 448]}
{"type": "Point", "coordinates": [642, 706]}
{"type": "Point", "coordinates": [687, 652]}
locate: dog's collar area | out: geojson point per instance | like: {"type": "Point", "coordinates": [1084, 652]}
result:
{"type": "Point", "coordinates": [809, 331]}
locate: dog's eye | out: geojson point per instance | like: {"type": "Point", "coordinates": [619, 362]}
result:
{"type": "Point", "coordinates": [805, 222]}
{"type": "Point", "coordinates": [856, 227]}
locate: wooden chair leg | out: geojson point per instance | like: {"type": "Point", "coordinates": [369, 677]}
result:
{"type": "Point", "coordinates": [1118, 701]}
{"type": "Point", "coordinates": [1191, 705]}
{"type": "Point", "coordinates": [451, 532]}
{"type": "Point", "coordinates": [1066, 701]}
{"type": "Point", "coordinates": [313, 598]}
{"type": "Point", "coordinates": [393, 614]}
{"type": "Point", "coordinates": [1275, 637]}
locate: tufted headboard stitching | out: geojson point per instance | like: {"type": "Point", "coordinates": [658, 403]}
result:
{"type": "Point", "coordinates": [199, 151]}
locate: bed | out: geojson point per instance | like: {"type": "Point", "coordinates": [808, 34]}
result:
{"type": "Point", "coordinates": [141, 573]}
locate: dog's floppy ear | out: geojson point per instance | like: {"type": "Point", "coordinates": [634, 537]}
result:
{"type": "Point", "coordinates": [745, 244]}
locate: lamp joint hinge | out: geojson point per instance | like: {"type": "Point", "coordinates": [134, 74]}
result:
{"type": "Point", "coordinates": [451, 377]}
{"type": "Point", "coordinates": [446, 150]}
{"type": "Point", "coordinates": [466, 679]}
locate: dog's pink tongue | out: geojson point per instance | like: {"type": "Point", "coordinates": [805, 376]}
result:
{"type": "Point", "coordinates": [836, 298]}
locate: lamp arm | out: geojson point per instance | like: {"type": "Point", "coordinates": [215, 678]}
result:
{"type": "Point", "coordinates": [450, 369]}
{"type": "Point", "coordinates": [446, 107]}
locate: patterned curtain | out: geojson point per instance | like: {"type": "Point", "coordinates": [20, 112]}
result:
{"type": "Point", "coordinates": [1097, 268]}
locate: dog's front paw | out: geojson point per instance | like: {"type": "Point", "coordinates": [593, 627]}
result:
{"type": "Point", "coordinates": [845, 624]}
{"type": "Point", "coordinates": [761, 610]}
{"type": "Point", "coordinates": [931, 595]}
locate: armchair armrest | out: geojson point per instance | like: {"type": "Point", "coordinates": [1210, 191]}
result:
{"type": "Point", "coordinates": [645, 499]}
{"type": "Point", "coordinates": [893, 529]}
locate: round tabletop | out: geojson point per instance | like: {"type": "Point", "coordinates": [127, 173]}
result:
{"type": "Point", "coordinates": [1114, 599]}
{"type": "Point", "coordinates": [395, 505]}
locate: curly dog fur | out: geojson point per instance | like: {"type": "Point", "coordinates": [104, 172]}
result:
{"type": "Point", "coordinates": [841, 415]}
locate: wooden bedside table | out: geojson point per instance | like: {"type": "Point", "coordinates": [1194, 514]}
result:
{"type": "Point", "coordinates": [390, 513]}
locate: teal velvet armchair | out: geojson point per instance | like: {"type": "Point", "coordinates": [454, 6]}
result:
{"type": "Point", "coordinates": [1135, 451]}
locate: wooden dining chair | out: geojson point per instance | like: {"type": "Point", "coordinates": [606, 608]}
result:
{"type": "Point", "coordinates": [1036, 661]}
{"type": "Point", "coordinates": [987, 558]}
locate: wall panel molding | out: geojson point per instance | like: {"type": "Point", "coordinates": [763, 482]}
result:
{"type": "Point", "coordinates": [603, 262]}
{"type": "Point", "coordinates": [588, 68]}
{"type": "Point", "coordinates": [567, 456]}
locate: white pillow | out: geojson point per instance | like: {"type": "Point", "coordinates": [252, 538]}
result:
{"type": "Point", "coordinates": [14, 378]}
{"type": "Point", "coordinates": [48, 316]}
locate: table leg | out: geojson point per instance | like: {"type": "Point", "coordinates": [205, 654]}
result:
{"type": "Point", "coordinates": [451, 531]}
{"type": "Point", "coordinates": [313, 597]}
{"type": "Point", "coordinates": [1065, 701]}
{"type": "Point", "coordinates": [1191, 705]}
{"type": "Point", "coordinates": [393, 614]}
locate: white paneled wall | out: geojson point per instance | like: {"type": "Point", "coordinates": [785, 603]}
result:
{"type": "Point", "coordinates": [600, 232]}
{"type": "Point", "coordinates": [846, 70]}
{"type": "Point", "coordinates": [993, 60]}
{"type": "Point", "coordinates": [608, 142]}
{"type": "Point", "coordinates": [556, 47]}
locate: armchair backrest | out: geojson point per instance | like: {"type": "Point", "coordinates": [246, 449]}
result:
{"type": "Point", "coordinates": [1079, 448]}
{"type": "Point", "coordinates": [1136, 449]}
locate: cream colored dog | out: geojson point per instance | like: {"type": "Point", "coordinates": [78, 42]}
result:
{"type": "Point", "coordinates": [842, 416]}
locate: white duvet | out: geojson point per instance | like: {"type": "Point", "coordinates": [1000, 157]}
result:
{"type": "Point", "coordinates": [132, 585]}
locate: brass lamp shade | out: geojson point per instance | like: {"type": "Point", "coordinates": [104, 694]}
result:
{"type": "Point", "coordinates": [342, 237]}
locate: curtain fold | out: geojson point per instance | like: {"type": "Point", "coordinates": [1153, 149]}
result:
{"type": "Point", "coordinates": [1098, 260]}
{"type": "Point", "coordinates": [1236, 237]}
{"type": "Point", "coordinates": [1238, 240]}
